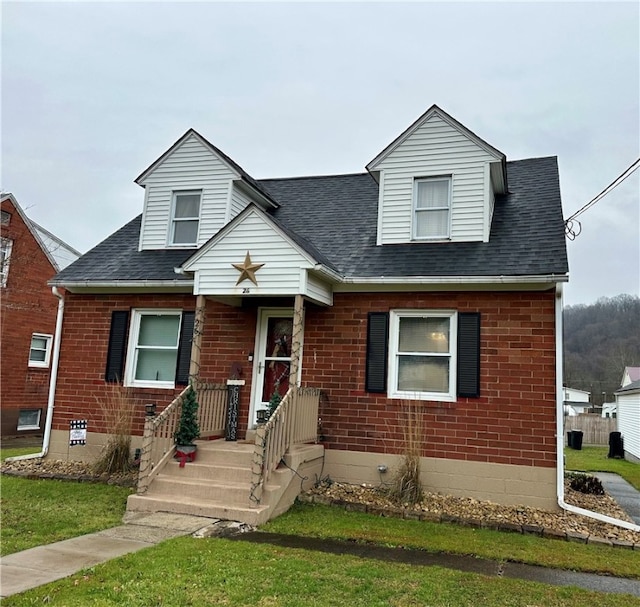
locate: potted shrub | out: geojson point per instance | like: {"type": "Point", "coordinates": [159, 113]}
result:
{"type": "Point", "coordinates": [188, 429]}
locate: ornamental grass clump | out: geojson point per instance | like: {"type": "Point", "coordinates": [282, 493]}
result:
{"type": "Point", "coordinates": [406, 486]}
{"type": "Point", "coordinates": [116, 407]}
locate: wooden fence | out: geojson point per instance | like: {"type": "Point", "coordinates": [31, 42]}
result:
{"type": "Point", "coordinates": [595, 428]}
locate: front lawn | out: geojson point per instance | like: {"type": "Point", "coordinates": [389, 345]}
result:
{"type": "Point", "coordinates": [594, 459]}
{"type": "Point", "coordinates": [186, 571]}
{"type": "Point", "coordinates": [37, 512]}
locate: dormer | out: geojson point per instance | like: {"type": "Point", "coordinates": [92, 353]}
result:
{"type": "Point", "coordinates": [191, 192]}
{"type": "Point", "coordinates": [437, 183]}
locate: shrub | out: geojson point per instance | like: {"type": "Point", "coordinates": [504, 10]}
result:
{"type": "Point", "coordinates": [585, 483]}
{"type": "Point", "coordinates": [116, 407]}
{"type": "Point", "coordinates": [188, 427]}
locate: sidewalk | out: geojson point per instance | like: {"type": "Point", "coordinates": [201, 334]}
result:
{"type": "Point", "coordinates": [37, 566]}
{"type": "Point", "coordinates": [625, 494]}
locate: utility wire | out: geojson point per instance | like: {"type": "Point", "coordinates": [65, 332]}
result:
{"type": "Point", "coordinates": [572, 226]}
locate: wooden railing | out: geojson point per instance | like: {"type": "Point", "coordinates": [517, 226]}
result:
{"type": "Point", "coordinates": [157, 440]}
{"type": "Point", "coordinates": [295, 421]}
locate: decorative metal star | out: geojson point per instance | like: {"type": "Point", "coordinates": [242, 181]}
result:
{"type": "Point", "coordinates": [247, 270]}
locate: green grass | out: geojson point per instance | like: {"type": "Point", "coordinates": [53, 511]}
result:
{"type": "Point", "coordinates": [186, 572]}
{"type": "Point", "coordinates": [594, 459]}
{"type": "Point", "coordinates": [334, 523]}
{"type": "Point", "coordinates": [14, 452]}
{"type": "Point", "coordinates": [38, 512]}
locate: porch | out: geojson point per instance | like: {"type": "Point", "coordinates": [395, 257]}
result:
{"type": "Point", "coordinates": [250, 480]}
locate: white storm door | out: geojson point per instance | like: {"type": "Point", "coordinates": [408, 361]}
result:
{"type": "Point", "coordinates": [272, 361]}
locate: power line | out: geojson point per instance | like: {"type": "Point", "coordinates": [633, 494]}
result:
{"type": "Point", "coordinates": [572, 226]}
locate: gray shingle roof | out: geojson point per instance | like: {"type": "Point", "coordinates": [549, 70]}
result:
{"type": "Point", "coordinates": [335, 218]}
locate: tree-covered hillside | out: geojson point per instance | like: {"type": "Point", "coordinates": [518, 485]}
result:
{"type": "Point", "coordinates": [600, 340]}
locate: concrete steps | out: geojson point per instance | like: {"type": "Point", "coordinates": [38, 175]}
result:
{"type": "Point", "coordinates": [218, 484]}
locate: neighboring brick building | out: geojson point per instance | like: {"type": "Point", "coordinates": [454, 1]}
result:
{"type": "Point", "coordinates": [30, 256]}
{"type": "Point", "coordinates": [433, 278]}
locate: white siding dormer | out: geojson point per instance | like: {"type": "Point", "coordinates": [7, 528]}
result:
{"type": "Point", "coordinates": [192, 167]}
{"type": "Point", "coordinates": [434, 154]}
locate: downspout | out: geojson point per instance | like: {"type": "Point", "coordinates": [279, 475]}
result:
{"type": "Point", "coordinates": [560, 430]}
{"type": "Point", "coordinates": [52, 383]}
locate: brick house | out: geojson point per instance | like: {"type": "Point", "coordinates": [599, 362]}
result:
{"type": "Point", "coordinates": [30, 256]}
{"type": "Point", "coordinates": [433, 278]}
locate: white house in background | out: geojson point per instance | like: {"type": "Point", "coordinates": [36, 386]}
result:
{"type": "Point", "coordinates": [609, 410]}
{"type": "Point", "coordinates": [575, 401]}
{"type": "Point", "coordinates": [628, 401]}
{"type": "Point", "coordinates": [630, 375]}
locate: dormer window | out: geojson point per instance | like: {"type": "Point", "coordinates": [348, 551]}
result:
{"type": "Point", "coordinates": [185, 218]}
{"type": "Point", "coordinates": [432, 208]}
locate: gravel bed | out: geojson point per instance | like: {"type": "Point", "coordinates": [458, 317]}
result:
{"type": "Point", "coordinates": [438, 507]}
{"type": "Point", "coordinates": [434, 506]}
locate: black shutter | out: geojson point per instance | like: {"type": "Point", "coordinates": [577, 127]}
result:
{"type": "Point", "coordinates": [184, 348]}
{"type": "Point", "coordinates": [117, 346]}
{"type": "Point", "coordinates": [469, 354]}
{"type": "Point", "coordinates": [377, 345]}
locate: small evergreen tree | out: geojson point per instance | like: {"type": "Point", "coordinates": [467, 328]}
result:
{"type": "Point", "coordinates": [188, 428]}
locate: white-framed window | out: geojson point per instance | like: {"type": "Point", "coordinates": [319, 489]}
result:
{"type": "Point", "coordinates": [5, 218]}
{"type": "Point", "coordinates": [422, 354]}
{"type": "Point", "coordinates": [152, 354]}
{"type": "Point", "coordinates": [29, 419]}
{"type": "Point", "coordinates": [185, 218]}
{"type": "Point", "coordinates": [432, 208]}
{"type": "Point", "coordinates": [5, 257]}
{"type": "Point", "coordinates": [40, 350]}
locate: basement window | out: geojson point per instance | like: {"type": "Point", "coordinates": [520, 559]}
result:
{"type": "Point", "coordinates": [29, 419]}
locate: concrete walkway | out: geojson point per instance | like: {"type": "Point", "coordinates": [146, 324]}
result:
{"type": "Point", "coordinates": [626, 495]}
{"type": "Point", "coordinates": [37, 566]}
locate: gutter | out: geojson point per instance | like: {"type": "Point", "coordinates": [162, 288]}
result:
{"type": "Point", "coordinates": [52, 383]}
{"type": "Point", "coordinates": [560, 432]}
{"type": "Point", "coordinates": [122, 283]}
{"type": "Point", "coordinates": [437, 280]}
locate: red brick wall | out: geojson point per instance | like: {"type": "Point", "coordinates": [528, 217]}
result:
{"type": "Point", "coordinates": [512, 422]}
{"type": "Point", "coordinates": [27, 306]}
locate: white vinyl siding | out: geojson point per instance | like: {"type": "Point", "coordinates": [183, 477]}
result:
{"type": "Point", "coordinates": [422, 355]}
{"type": "Point", "coordinates": [152, 354]}
{"type": "Point", "coordinates": [285, 269]}
{"type": "Point", "coordinates": [239, 202]}
{"type": "Point", "coordinates": [629, 421]}
{"type": "Point", "coordinates": [40, 350]}
{"type": "Point", "coordinates": [191, 166]}
{"type": "Point", "coordinates": [433, 150]}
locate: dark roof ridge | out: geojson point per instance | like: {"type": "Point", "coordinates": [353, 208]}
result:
{"type": "Point", "coordinates": [313, 176]}
{"type": "Point", "coordinates": [550, 157]}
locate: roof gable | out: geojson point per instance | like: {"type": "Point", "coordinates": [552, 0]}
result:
{"type": "Point", "coordinates": [235, 168]}
{"type": "Point", "coordinates": [432, 112]}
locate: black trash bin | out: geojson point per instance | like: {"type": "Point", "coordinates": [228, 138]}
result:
{"type": "Point", "coordinates": [577, 440]}
{"type": "Point", "coordinates": [570, 439]}
{"type": "Point", "coordinates": [616, 445]}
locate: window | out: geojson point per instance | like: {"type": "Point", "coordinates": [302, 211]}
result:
{"type": "Point", "coordinates": [29, 419]}
{"type": "Point", "coordinates": [5, 256]}
{"type": "Point", "coordinates": [40, 350]}
{"type": "Point", "coordinates": [432, 202]}
{"type": "Point", "coordinates": [5, 218]}
{"type": "Point", "coordinates": [153, 348]}
{"type": "Point", "coordinates": [421, 355]}
{"type": "Point", "coordinates": [185, 218]}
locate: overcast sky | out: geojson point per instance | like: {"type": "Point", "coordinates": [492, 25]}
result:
{"type": "Point", "coordinates": [92, 93]}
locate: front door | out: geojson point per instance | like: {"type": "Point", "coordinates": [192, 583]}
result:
{"type": "Point", "coordinates": [272, 361]}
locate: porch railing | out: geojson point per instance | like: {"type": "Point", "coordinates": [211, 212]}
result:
{"type": "Point", "coordinates": [157, 440]}
{"type": "Point", "coordinates": [295, 421]}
